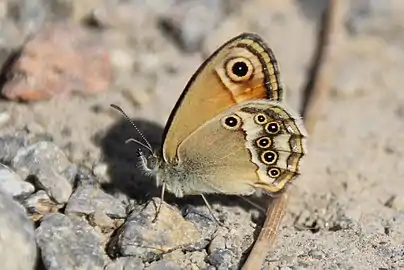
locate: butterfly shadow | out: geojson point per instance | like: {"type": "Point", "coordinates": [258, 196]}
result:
{"type": "Point", "coordinates": [126, 175]}
{"type": "Point", "coordinates": [122, 159]}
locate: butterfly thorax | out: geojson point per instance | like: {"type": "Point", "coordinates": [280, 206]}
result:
{"type": "Point", "coordinates": [175, 175]}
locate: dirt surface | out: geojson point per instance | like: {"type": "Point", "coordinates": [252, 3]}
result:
{"type": "Point", "coordinates": [346, 210]}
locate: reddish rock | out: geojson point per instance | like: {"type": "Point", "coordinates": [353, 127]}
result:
{"type": "Point", "coordinates": [60, 59]}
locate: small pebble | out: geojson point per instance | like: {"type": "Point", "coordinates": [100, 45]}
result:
{"type": "Point", "coordinates": [197, 259]}
{"type": "Point", "coordinates": [88, 199]}
{"type": "Point", "coordinates": [125, 263]}
{"type": "Point", "coordinates": [10, 144]}
{"type": "Point", "coordinates": [46, 164]}
{"type": "Point", "coordinates": [222, 259]}
{"type": "Point", "coordinates": [103, 221]}
{"type": "Point", "coordinates": [316, 254]}
{"type": "Point", "coordinates": [100, 170]}
{"type": "Point", "coordinates": [163, 265]}
{"type": "Point", "coordinates": [39, 204]}
{"type": "Point", "coordinates": [218, 241]}
{"type": "Point", "coordinates": [31, 15]}
{"type": "Point", "coordinates": [4, 118]}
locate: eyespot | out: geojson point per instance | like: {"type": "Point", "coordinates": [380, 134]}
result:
{"type": "Point", "coordinates": [274, 172]}
{"type": "Point", "coordinates": [263, 142]}
{"type": "Point", "coordinates": [260, 118]}
{"type": "Point", "coordinates": [269, 157]}
{"type": "Point", "coordinates": [231, 122]}
{"type": "Point", "coordinates": [272, 127]}
{"type": "Point", "coordinates": [239, 69]}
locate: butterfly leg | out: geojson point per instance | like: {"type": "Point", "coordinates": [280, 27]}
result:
{"type": "Point", "coordinates": [163, 189]}
{"type": "Point", "coordinates": [211, 211]}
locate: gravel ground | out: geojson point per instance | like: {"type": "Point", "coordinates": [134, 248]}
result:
{"type": "Point", "coordinates": [71, 196]}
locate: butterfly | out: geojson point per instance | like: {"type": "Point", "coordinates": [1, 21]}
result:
{"type": "Point", "coordinates": [230, 131]}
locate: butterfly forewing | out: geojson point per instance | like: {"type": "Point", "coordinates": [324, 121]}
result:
{"type": "Point", "coordinates": [242, 69]}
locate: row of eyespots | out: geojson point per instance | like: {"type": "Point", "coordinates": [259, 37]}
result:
{"type": "Point", "coordinates": [270, 127]}
{"type": "Point", "coordinates": [233, 122]}
{"type": "Point", "coordinates": [269, 157]}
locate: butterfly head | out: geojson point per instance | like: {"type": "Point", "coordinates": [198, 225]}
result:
{"type": "Point", "coordinates": [149, 161]}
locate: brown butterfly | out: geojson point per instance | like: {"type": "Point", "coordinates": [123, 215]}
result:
{"type": "Point", "coordinates": [229, 132]}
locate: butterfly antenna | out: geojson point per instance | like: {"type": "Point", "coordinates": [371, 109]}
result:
{"type": "Point", "coordinates": [146, 144]}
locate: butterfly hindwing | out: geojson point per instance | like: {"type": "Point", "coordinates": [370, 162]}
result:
{"type": "Point", "coordinates": [256, 144]}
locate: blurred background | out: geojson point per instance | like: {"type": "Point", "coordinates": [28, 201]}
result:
{"type": "Point", "coordinates": [63, 62]}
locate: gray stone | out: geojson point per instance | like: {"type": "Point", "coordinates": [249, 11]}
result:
{"type": "Point", "coordinates": [189, 22]}
{"type": "Point", "coordinates": [11, 183]}
{"type": "Point", "coordinates": [47, 164]}
{"type": "Point", "coordinates": [143, 238]}
{"type": "Point", "coordinates": [222, 259]}
{"type": "Point", "coordinates": [10, 144]}
{"type": "Point", "coordinates": [125, 263]}
{"type": "Point", "coordinates": [218, 241]}
{"type": "Point", "coordinates": [32, 14]}
{"type": "Point", "coordinates": [87, 199]}
{"type": "Point", "coordinates": [163, 265]}
{"type": "Point", "coordinates": [68, 243]}
{"type": "Point", "coordinates": [17, 241]}
{"type": "Point", "coordinates": [203, 220]}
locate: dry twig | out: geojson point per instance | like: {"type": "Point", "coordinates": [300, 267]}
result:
{"type": "Point", "coordinates": [267, 235]}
